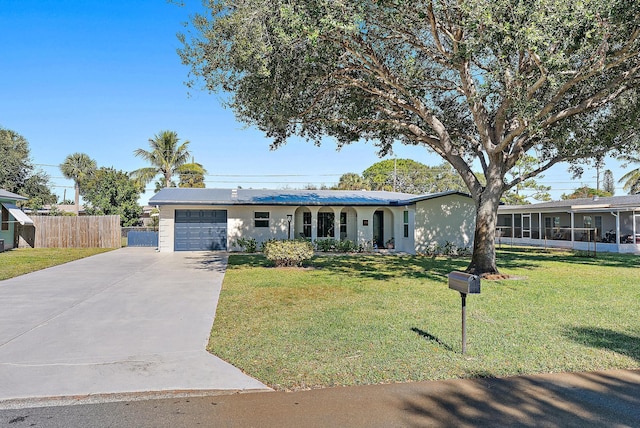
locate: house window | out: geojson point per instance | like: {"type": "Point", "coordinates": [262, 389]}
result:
{"type": "Point", "coordinates": [261, 219]}
{"type": "Point", "coordinates": [343, 225]}
{"type": "Point", "coordinates": [325, 225]}
{"type": "Point", "coordinates": [5, 219]}
{"type": "Point", "coordinates": [406, 224]}
{"type": "Point", "coordinates": [306, 225]}
{"type": "Point", "coordinates": [586, 220]}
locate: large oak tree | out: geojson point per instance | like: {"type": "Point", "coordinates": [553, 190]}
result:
{"type": "Point", "coordinates": [478, 82]}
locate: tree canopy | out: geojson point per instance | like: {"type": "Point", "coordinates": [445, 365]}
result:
{"type": "Point", "coordinates": [478, 82]}
{"type": "Point", "coordinates": [18, 174]}
{"type": "Point", "coordinates": [78, 167]}
{"type": "Point", "coordinates": [111, 192]}
{"type": "Point", "coordinates": [585, 192]}
{"type": "Point", "coordinates": [409, 176]}
{"type": "Point", "coordinates": [167, 157]}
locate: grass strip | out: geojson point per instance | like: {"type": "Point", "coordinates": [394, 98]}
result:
{"type": "Point", "coordinates": [24, 260]}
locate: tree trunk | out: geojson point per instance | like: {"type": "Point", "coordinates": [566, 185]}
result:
{"type": "Point", "coordinates": [77, 198]}
{"type": "Point", "coordinates": [483, 260]}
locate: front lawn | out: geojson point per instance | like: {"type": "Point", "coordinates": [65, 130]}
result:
{"type": "Point", "coordinates": [350, 320]}
{"type": "Point", "coordinates": [24, 260]}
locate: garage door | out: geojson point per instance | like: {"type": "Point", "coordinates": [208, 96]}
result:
{"type": "Point", "coordinates": [200, 230]}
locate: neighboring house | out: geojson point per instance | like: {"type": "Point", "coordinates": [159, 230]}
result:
{"type": "Point", "coordinates": [57, 209]}
{"type": "Point", "coordinates": [607, 223]}
{"type": "Point", "coordinates": [12, 219]}
{"type": "Point", "coordinates": [205, 219]}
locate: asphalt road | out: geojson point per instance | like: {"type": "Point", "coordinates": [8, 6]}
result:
{"type": "Point", "coordinates": [600, 399]}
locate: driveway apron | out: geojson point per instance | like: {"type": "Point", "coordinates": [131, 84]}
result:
{"type": "Point", "coordinates": [126, 321]}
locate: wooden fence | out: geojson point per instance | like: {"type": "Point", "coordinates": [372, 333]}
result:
{"type": "Point", "coordinates": [72, 232]}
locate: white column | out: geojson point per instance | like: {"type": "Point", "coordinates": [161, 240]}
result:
{"type": "Point", "coordinates": [314, 223]}
{"type": "Point", "coordinates": [540, 226]}
{"type": "Point", "coordinates": [572, 225]}
{"type": "Point", "coordinates": [336, 222]}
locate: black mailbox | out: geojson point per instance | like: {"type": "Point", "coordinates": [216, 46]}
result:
{"type": "Point", "coordinates": [464, 282]}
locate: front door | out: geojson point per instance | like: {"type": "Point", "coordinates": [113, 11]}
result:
{"type": "Point", "coordinates": [378, 229]}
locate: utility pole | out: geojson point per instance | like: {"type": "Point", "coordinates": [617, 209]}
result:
{"type": "Point", "coordinates": [395, 172]}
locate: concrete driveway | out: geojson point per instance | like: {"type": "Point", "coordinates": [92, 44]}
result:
{"type": "Point", "coordinates": [130, 320]}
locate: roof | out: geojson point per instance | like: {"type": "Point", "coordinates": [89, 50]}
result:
{"type": "Point", "coordinates": [188, 196]}
{"type": "Point", "coordinates": [4, 194]}
{"type": "Point", "coordinates": [605, 203]}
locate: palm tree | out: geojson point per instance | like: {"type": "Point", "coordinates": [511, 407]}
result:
{"type": "Point", "coordinates": [352, 181]}
{"type": "Point", "coordinates": [632, 178]}
{"type": "Point", "coordinates": [78, 167]}
{"type": "Point", "coordinates": [167, 157]}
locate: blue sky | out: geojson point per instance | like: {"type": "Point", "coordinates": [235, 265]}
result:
{"type": "Point", "coordinates": [102, 77]}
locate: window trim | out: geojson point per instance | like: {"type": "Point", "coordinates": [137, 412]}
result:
{"type": "Point", "coordinates": [5, 219]}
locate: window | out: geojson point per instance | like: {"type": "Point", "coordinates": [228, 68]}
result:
{"type": "Point", "coordinates": [587, 222]}
{"type": "Point", "coordinates": [306, 225]}
{"type": "Point", "coordinates": [406, 224]}
{"type": "Point", "coordinates": [343, 225]}
{"type": "Point", "coordinates": [5, 218]}
{"type": "Point", "coordinates": [261, 219]}
{"type": "Point", "coordinates": [325, 225]}
{"type": "Point", "coordinates": [599, 225]}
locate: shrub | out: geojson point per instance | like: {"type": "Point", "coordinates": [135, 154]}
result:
{"type": "Point", "coordinates": [288, 253]}
{"type": "Point", "coordinates": [247, 245]}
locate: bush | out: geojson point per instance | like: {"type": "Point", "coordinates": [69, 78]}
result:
{"type": "Point", "coordinates": [288, 253]}
{"type": "Point", "coordinates": [247, 245]}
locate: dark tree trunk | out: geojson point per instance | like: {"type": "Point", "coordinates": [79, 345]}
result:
{"type": "Point", "coordinates": [483, 260]}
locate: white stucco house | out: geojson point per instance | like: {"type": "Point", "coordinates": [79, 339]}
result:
{"type": "Point", "coordinates": [212, 219]}
{"type": "Point", "coordinates": [12, 219]}
{"type": "Point", "coordinates": [611, 224]}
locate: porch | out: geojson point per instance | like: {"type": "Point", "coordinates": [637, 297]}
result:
{"type": "Point", "coordinates": [588, 230]}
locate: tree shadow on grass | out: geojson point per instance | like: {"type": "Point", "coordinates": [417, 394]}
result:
{"type": "Point", "coordinates": [603, 338]}
{"type": "Point", "coordinates": [389, 267]}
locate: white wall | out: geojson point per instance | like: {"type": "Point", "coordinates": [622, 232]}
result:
{"type": "Point", "coordinates": [446, 219]}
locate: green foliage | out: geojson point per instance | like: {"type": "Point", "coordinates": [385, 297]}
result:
{"type": "Point", "coordinates": [192, 175]}
{"type": "Point", "coordinates": [448, 249]}
{"type": "Point", "coordinates": [585, 192]}
{"type": "Point", "coordinates": [288, 253]}
{"type": "Point", "coordinates": [631, 179]}
{"type": "Point", "coordinates": [78, 167]}
{"type": "Point", "coordinates": [111, 192]}
{"type": "Point", "coordinates": [352, 181]}
{"type": "Point", "coordinates": [408, 176]}
{"type": "Point", "coordinates": [521, 191]}
{"type": "Point", "coordinates": [477, 82]}
{"type": "Point", "coordinates": [608, 182]}
{"type": "Point", "coordinates": [248, 245]}
{"type": "Point", "coordinates": [17, 173]}
{"type": "Point", "coordinates": [167, 156]}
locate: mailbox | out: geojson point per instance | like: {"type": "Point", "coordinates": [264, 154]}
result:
{"type": "Point", "coordinates": [464, 282]}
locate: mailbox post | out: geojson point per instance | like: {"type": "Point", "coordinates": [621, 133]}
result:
{"type": "Point", "coordinates": [464, 283]}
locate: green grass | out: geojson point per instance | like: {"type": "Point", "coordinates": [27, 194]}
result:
{"type": "Point", "coordinates": [24, 260]}
{"type": "Point", "coordinates": [349, 320]}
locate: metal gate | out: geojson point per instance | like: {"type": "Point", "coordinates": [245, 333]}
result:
{"type": "Point", "coordinates": [142, 238]}
{"type": "Point", "coordinates": [200, 230]}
